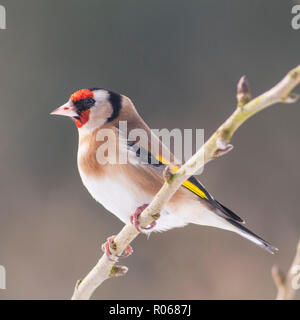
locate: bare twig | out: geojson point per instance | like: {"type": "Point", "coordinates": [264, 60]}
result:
{"type": "Point", "coordinates": [217, 145]}
{"type": "Point", "coordinates": [288, 284]}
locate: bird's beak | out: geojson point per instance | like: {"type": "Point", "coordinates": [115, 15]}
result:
{"type": "Point", "coordinates": [67, 110]}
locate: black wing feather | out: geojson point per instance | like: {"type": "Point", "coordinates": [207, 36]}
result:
{"type": "Point", "coordinates": [216, 203]}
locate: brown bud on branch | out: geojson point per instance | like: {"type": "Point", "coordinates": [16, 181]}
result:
{"type": "Point", "coordinates": [243, 92]}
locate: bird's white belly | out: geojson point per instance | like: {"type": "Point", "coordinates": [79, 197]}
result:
{"type": "Point", "coordinates": [122, 198]}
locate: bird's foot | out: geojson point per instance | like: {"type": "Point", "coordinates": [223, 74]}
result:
{"type": "Point", "coordinates": [134, 219]}
{"type": "Point", "coordinates": [111, 245]}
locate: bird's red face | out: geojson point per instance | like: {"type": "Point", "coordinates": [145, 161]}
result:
{"type": "Point", "coordinates": [78, 107]}
{"type": "Point", "coordinates": [91, 108]}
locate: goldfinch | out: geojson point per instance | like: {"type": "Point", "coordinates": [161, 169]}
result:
{"type": "Point", "coordinates": [125, 189]}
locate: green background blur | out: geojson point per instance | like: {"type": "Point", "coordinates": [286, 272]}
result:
{"type": "Point", "coordinates": [179, 61]}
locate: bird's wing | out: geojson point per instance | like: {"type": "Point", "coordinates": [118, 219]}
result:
{"type": "Point", "coordinates": [157, 162]}
{"type": "Point", "coordinates": [192, 184]}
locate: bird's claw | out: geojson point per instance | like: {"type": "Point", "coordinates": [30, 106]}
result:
{"type": "Point", "coordinates": [134, 219]}
{"type": "Point", "coordinates": [110, 244]}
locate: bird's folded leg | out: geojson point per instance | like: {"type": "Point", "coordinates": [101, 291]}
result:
{"type": "Point", "coordinates": [134, 219]}
{"type": "Point", "coordinates": [111, 245]}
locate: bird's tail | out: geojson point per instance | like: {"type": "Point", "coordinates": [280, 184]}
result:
{"type": "Point", "coordinates": [244, 232]}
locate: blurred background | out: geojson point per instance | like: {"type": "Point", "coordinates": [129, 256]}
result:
{"type": "Point", "coordinates": [179, 61]}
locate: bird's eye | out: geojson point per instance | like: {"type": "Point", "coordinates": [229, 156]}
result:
{"type": "Point", "coordinates": [88, 103]}
{"type": "Point", "coordinates": [84, 104]}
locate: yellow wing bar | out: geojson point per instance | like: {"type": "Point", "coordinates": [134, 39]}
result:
{"type": "Point", "coordinates": [188, 184]}
{"type": "Point", "coordinates": [195, 189]}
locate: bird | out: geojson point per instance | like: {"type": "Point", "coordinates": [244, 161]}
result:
{"type": "Point", "coordinates": [126, 188]}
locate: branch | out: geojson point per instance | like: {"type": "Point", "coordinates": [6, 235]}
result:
{"type": "Point", "coordinates": [216, 146]}
{"type": "Point", "coordinates": [287, 284]}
